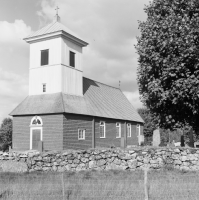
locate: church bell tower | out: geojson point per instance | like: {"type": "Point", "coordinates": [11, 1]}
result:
{"type": "Point", "coordinates": [55, 60]}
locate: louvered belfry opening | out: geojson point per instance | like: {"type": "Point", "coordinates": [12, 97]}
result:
{"type": "Point", "coordinates": [72, 59]}
{"type": "Point", "coordinates": [44, 57]}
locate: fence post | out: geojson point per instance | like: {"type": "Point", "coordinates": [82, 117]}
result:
{"type": "Point", "coordinates": [146, 194]}
{"type": "Point", "coordinates": [63, 186]}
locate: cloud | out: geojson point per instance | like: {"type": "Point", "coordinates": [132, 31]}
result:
{"type": "Point", "coordinates": [13, 49]}
{"type": "Point", "coordinates": [14, 88]}
{"type": "Point", "coordinates": [13, 32]}
{"type": "Point", "coordinates": [13, 65]}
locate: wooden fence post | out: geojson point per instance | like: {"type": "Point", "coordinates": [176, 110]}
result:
{"type": "Point", "coordinates": [63, 186]}
{"type": "Point", "coordinates": [146, 194]}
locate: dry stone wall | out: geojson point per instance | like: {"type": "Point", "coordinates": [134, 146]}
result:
{"type": "Point", "coordinates": [101, 159]}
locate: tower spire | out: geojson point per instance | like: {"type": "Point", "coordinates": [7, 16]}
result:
{"type": "Point", "coordinates": [57, 17]}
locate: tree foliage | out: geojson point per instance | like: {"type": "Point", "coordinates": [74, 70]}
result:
{"type": "Point", "coordinates": [6, 132]}
{"type": "Point", "coordinates": [168, 73]}
{"type": "Point", "coordinates": [150, 123]}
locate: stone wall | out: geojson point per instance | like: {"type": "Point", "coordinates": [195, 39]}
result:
{"type": "Point", "coordinates": [102, 159]}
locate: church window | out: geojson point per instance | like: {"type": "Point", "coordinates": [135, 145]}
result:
{"type": "Point", "coordinates": [138, 129]}
{"type": "Point", "coordinates": [128, 130]}
{"type": "Point", "coordinates": [72, 59]}
{"type": "Point", "coordinates": [36, 121]}
{"type": "Point", "coordinates": [118, 130]}
{"type": "Point", "coordinates": [44, 87]}
{"type": "Point", "coordinates": [81, 134]}
{"type": "Point", "coordinates": [102, 130]}
{"type": "Point", "coordinates": [44, 57]}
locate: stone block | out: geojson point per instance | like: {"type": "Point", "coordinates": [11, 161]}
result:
{"type": "Point", "coordinates": [184, 158]}
{"type": "Point", "coordinates": [101, 162]}
{"type": "Point", "coordinates": [177, 150]}
{"type": "Point", "coordinates": [153, 161]}
{"type": "Point", "coordinates": [84, 160]}
{"type": "Point", "coordinates": [177, 162]}
{"type": "Point", "coordinates": [92, 164]}
{"type": "Point", "coordinates": [117, 161]}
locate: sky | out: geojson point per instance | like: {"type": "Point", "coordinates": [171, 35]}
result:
{"type": "Point", "coordinates": [109, 26]}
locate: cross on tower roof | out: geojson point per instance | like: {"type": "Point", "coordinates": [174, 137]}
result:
{"type": "Point", "coordinates": [57, 18]}
{"type": "Point", "coordinates": [57, 8]}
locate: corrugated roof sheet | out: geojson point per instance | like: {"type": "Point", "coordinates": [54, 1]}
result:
{"type": "Point", "coordinates": [55, 26]}
{"type": "Point", "coordinates": [98, 100]}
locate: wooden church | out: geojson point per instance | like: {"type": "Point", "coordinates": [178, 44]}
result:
{"type": "Point", "coordinates": [65, 110]}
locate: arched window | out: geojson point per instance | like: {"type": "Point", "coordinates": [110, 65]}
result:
{"type": "Point", "coordinates": [36, 121]}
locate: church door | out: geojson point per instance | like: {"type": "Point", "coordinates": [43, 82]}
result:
{"type": "Point", "coordinates": [36, 137]}
{"type": "Point", "coordinates": [36, 133]}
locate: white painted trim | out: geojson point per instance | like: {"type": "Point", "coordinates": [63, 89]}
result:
{"type": "Point", "coordinates": [138, 128]}
{"type": "Point", "coordinates": [119, 129]}
{"type": "Point", "coordinates": [34, 128]}
{"type": "Point", "coordinates": [84, 132]}
{"type": "Point", "coordinates": [104, 125]}
{"type": "Point", "coordinates": [128, 125]}
{"type": "Point", "coordinates": [56, 65]}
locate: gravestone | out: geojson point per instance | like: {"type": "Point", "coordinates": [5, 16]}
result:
{"type": "Point", "coordinates": [156, 137]}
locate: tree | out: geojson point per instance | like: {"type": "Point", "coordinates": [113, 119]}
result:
{"type": "Point", "coordinates": [150, 124]}
{"type": "Point", "coordinates": [168, 72]}
{"type": "Point", "coordinates": [6, 132]}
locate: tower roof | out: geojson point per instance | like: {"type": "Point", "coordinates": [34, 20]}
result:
{"type": "Point", "coordinates": [53, 29]}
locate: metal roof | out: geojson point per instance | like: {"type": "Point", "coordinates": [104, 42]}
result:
{"type": "Point", "coordinates": [98, 100]}
{"type": "Point", "coordinates": [53, 27]}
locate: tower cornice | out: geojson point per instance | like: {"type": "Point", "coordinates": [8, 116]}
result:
{"type": "Point", "coordinates": [56, 34]}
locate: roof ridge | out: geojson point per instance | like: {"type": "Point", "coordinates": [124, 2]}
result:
{"type": "Point", "coordinates": [50, 26]}
{"type": "Point", "coordinates": [102, 83]}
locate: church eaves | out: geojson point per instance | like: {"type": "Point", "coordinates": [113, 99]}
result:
{"type": "Point", "coordinates": [99, 100]}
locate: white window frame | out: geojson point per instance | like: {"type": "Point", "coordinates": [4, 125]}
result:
{"type": "Point", "coordinates": [103, 124]}
{"type": "Point", "coordinates": [138, 128]}
{"type": "Point", "coordinates": [36, 126]}
{"type": "Point", "coordinates": [118, 125]}
{"type": "Point", "coordinates": [128, 130]}
{"type": "Point", "coordinates": [83, 131]}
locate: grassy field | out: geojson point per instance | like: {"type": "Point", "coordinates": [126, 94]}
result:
{"type": "Point", "coordinates": [95, 185]}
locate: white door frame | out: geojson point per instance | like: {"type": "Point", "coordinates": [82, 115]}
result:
{"type": "Point", "coordinates": [34, 127]}
{"type": "Point", "coordinates": [41, 136]}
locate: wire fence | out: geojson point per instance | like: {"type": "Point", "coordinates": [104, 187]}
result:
{"type": "Point", "coordinates": [140, 186]}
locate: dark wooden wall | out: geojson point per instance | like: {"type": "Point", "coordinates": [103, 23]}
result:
{"type": "Point", "coordinates": [52, 132]}
{"type": "Point", "coordinates": [60, 131]}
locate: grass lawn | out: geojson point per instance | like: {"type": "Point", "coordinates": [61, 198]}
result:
{"type": "Point", "coordinates": [95, 185]}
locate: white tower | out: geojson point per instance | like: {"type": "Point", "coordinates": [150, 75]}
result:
{"type": "Point", "coordinates": [55, 60]}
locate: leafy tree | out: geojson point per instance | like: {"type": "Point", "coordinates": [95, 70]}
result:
{"type": "Point", "coordinates": [150, 124]}
{"type": "Point", "coordinates": [168, 72]}
{"type": "Point", "coordinates": [6, 132]}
